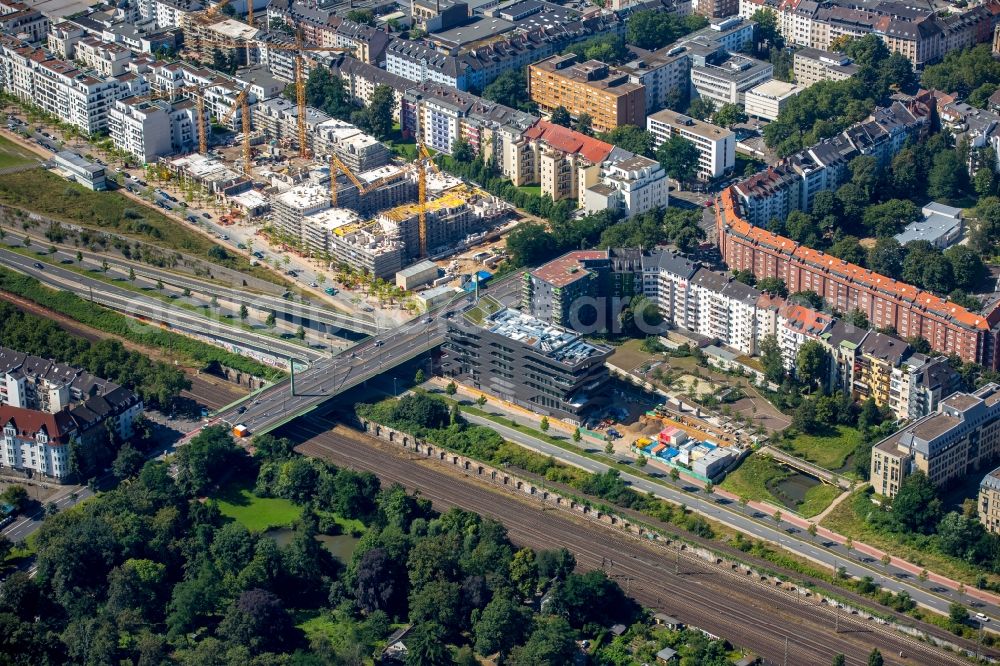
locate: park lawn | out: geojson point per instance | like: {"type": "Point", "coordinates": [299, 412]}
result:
{"type": "Point", "coordinates": [347, 525]}
{"type": "Point", "coordinates": [817, 499]}
{"type": "Point", "coordinates": [533, 190]}
{"type": "Point", "coordinates": [845, 520]}
{"type": "Point", "coordinates": [13, 155]}
{"type": "Point", "coordinates": [47, 194]}
{"type": "Point", "coordinates": [257, 514]}
{"type": "Point", "coordinates": [750, 479]}
{"type": "Point", "coordinates": [829, 450]}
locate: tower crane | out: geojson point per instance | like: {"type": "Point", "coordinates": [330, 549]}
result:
{"type": "Point", "coordinates": [242, 102]}
{"type": "Point", "coordinates": [337, 165]}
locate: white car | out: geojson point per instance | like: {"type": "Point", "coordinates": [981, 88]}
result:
{"type": "Point", "coordinates": [982, 617]}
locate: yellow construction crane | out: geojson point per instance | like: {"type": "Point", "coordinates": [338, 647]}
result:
{"type": "Point", "coordinates": [242, 102]}
{"type": "Point", "coordinates": [424, 156]}
{"type": "Point", "coordinates": [337, 165]}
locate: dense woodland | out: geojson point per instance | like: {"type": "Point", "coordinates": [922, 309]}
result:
{"type": "Point", "coordinates": [152, 573]}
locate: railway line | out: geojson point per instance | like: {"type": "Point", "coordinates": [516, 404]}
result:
{"type": "Point", "coordinates": [748, 613]}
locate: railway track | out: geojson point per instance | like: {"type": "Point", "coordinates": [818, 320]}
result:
{"type": "Point", "coordinates": [747, 612]}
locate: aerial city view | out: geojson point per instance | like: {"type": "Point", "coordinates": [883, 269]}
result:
{"type": "Point", "coordinates": [499, 332]}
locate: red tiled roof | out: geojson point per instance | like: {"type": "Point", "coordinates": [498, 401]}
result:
{"type": "Point", "coordinates": [569, 141]}
{"type": "Point", "coordinates": [58, 426]}
{"type": "Point", "coordinates": [925, 301]}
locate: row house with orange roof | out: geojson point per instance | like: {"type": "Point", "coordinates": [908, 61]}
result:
{"type": "Point", "coordinates": [948, 327]}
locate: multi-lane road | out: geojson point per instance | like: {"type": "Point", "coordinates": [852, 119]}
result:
{"type": "Point", "coordinates": [749, 614]}
{"type": "Point", "coordinates": [329, 377]}
{"type": "Point", "coordinates": [155, 311]}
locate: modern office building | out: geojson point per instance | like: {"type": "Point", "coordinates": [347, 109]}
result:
{"type": "Point", "coordinates": [716, 145]}
{"type": "Point", "coordinates": [768, 99]}
{"type": "Point", "coordinates": [518, 358]}
{"type": "Point", "coordinates": [90, 175]}
{"type": "Point", "coordinates": [948, 445]}
{"type": "Point", "coordinates": [811, 66]}
{"type": "Point", "coordinates": [604, 93]}
{"type": "Point", "coordinates": [724, 77]}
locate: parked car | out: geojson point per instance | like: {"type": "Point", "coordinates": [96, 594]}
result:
{"type": "Point", "coordinates": [331, 291]}
{"type": "Point", "coordinates": [206, 216]}
{"type": "Point", "coordinates": [39, 266]}
{"type": "Point", "coordinates": [313, 285]}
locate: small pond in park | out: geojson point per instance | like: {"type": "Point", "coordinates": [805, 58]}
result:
{"type": "Point", "coordinates": [791, 489]}
{"type": "Point", "coordinates": [340, 546]}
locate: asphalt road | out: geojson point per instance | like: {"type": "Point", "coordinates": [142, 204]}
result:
{"type": "Point", "coordinates": [751, 522]}
{"type": "Point", "coordinates": [291, 310]}
{"type": "Point", "coordinates": [330, 377]}
{"type": "Point", "coordinates": [136, 305]}
{"type": "Point", "coordinates": [750, 614]}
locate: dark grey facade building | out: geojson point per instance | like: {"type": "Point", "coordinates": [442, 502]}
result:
{"type": "Point", "coordinates": [546, 368]}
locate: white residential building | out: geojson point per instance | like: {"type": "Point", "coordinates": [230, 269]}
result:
{"type": "Point", "coordinates": [36, 441]}
{"type": "Point", "coordinates": [716, 145]}
{"type": "Point", "coordinates": [796, 324]}
{"type": "Point", "coordinates": [150, 129]}
{"type": "Point", "coordinates": [635, 185]}
{"type": "Point", "coordinates": [725, 80]}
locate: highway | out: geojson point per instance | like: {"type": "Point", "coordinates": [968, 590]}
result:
{"type": "Point", "coordinates": [747, 520]}
{"type": "Point", "coordinates": [154, 310]}
{"type": "Point", "coordinates": [290, 310]}
{"type": "Point", "coordinates": [330, 377]}
{"type": "Point", "coordinates": [750, 614]}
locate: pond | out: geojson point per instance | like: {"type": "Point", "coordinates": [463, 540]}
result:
{"type": "Point", "coordinates": [791, 489]}
{"type": "Point", "coordinates": [340, 546]}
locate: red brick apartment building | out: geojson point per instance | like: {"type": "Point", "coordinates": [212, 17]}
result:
{"type": "Point", "coordinates": [950, 328]}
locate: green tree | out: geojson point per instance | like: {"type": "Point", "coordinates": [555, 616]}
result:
{"type": "Point", "coordinates": [957, 613]}
{"type": "Point", "coordinates": [916, 507]}
{"type": "Point", "coordinates": [380, 111]}
{"type": "Point", "coordinates": [875, 658]}
{"type": "Point", "coordinates": [481, 400]}
{"type": "Point", "coordinates": [729, 115]}
{"type": "Point", "coordinates": [503, 624]}
{"type": "Point", "coordinates": [701, 108]}
{"type": "Point", "coordinates": [524, 573]}
{"type": "Point", "coordinates": [363, 16]}
{"type": "Point", "coordinates": [300, 333]}
{"type": "Point", "coordinates": [886, 257]}
{"type": "Point", "coordinates": [948, 176]}
{"type": "Point", "coordinates": [270, 319]}
{"type": "Point", "coordinates": [128, 462]}
{"type": "Point", "coordinates": [419, 377]}
{"type": "Point", "coordinates": [576, 435]}
{"type": "Point", "coordinates": [258, 621]}
{"type": "Point", "coordinates": [461, 151]}
{"type": "Point", "coordinates": [770, 353]}
{"type": "Point", "coordinates": [426, 646]}
{"type": "Point", "coordinates": [551, 642]}
{"type": "Point", "coordinates": [244, 312]}
{"type": "Point", "coordinates": [509, 89]}
{"type": "Point", "coordinates": [773, 285]}
{"type": "Point", "coordinates": [544, 424]}
{"type": "Point", "coordinates": [630, 138]}
{"type": "Point", "coordinates": [679, 158]}
{"type": "Point", "coordinates": [967, 268]}
{"type": "Point", "coordinates": [811, 362]}
{"type": "Point", "coordinates": [451, 388]}
{"type": "Point", "coordinates": [560, 116]}
{"type": "Point", "coordinates": [583, 124]}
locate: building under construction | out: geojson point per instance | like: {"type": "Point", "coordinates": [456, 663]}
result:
{"type": "Point", "coordinates": [451, 219]}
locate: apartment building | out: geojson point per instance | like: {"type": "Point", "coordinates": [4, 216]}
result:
{"type": "Point", "coordinates": [169, 14]}
{"type": "Point", "coordinates": [605, 94]}
{"type": "Point", "coordinates": [811, 66]}
{"type": "Point", "coordinates": [278, 119]}
{"type": "Point", "coordinates": [540, 366]}
{"type": "Point", "coordinates": [564, 291]}
{"type": "Point", "coordinates": [366, 247]}
{"type": "Point", "coordinates": [320, 27]}
{"type": "Point", "coordinates": [793, 183]}
{"type": "Point", "coordinates": [988, 503]}
{"type": "Point", "coordinates": [24, 23]}
{"type": "Point", "coordinates": [318, 227]}
{"type": "Point", "coordinates": [957, 440]}
{"type": "Point", "coordinates": [477, 67]}
{"type": "Point", "coordinates": [724, 77]}
{"type": "Point", "coordinates": [150, 129]}
{"type": "Point", "coordinates": [291, 207]}
{"type": "Point", "coordinates": [357, 150]}
{"type": "Point", "coordinates": [105, 58]}
{"type": "Point", "coordinates": [948, 327]}
{"type": "Point", "coordinates": [768, 99]}
{"type": "Point", "coordinates": [798, 324]}
{"type": "Point", "coordinates": [451, 219]}
{"type": "Point", "coordinates": [234, 39]}
{"type": "Point", "coordinates": [81, 98]}
{"type": "Point", "coordinates": [716, 145]}
{"type": "Point", "coordinates": [439, 116]}
{"type": "Point", "coordinates": [918, 33]}
{"type": "Point", "coordinates": [715, 8]}
{"type": "Point", "coordinates": [361, 79]}
{"type": "Point", "coordinates": [562, 161]}
{"type": "Point", "coordinates": [37, 442]}
{"type": "Point", "coordinates": [633, 185]}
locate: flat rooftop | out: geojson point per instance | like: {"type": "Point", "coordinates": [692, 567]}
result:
{"type": "Point", "coordinates": [556, 342]}
{"type": "Point", "coordinates": [775, 89]}
{"type": "Point", "coordinates": [689, 124]}
{"type": "Point", "coordinates": [332, 218]}
{"type": "Point", "coordinates": [567, 269]}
